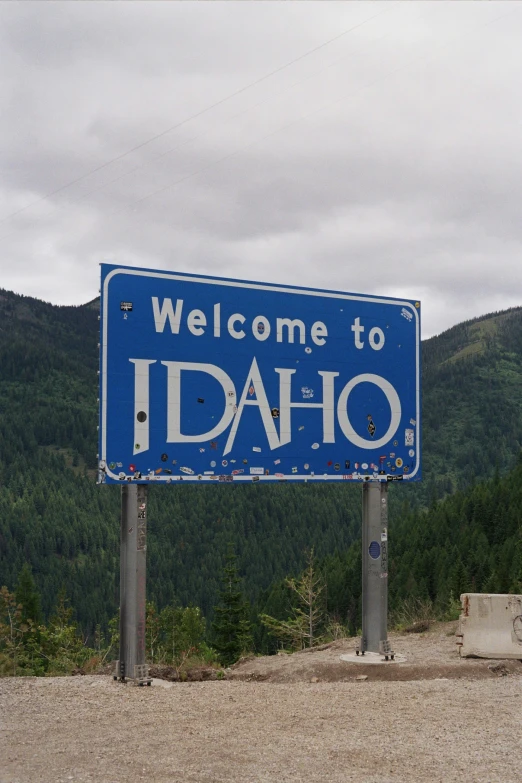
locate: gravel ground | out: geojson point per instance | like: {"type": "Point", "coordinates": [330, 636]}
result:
{"type": "Point", "coordinates": [90, 728]}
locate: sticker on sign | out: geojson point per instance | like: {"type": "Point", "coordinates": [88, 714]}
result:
{"type": "Point", "coordinates": [207, 362]}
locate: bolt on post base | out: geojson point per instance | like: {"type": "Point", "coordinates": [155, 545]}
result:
{"type": "Point", "coordinates": [141, 674]}
{"type": "Point", "coordinates": [385, 649]}
{"type": "Point", "coordinates": [119, 671]}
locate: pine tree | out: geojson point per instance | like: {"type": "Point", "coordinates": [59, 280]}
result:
{"type": "Point", "coordinates": [231, 626]}
{"type": "Point", "coordinates": [28, 596]}
{"type": "Point", "coordinates": [308, 613]}
{"type": "Point", "coordinates": [12, 633]}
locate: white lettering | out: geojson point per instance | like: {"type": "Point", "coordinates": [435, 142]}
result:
{"type": "Point", "coordinates": [166, 311]}
{"type": "Point", "coordinates": [174, 434]}
{"type": "Point", "coordinates": [395, 407]}
{"type": "Point", "coordinates": [141, 403]}
{"type": "Point", "coordinates": [358, 329]}
{"type": "Point", "coordinates": [231, 321]}
{"type": "Point", "coordinates": [319, 332]}
{"type": "Point", "coordinates": [254, 385]}
{"type": "Point", "coordinates": [261, 401]}
{"type": "Point", "coordinates": [328, 406]}
{"type": "Point", "coordinates": [196, 321]}
{"type": "Point", "coordinates": [376, 332]}
{"type": "Point", "coordinates": [291, 326]}
{"type": "Point", "coordinates": [261, 327]}
{"type": "Point", "coordinates": [287, 329]}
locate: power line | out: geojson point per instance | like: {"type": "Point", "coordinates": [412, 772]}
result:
{"type": "Point", "coordinates": [180, 124]}
{"type": "Point", "coordinates": [236, 152]}
{"type": "Point", "coordinates": [161, 155]}
{"type": "Point", "coordinates": [276, 131]}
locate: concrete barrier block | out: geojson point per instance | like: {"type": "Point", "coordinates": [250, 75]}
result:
{"type": "Point", "coordinates": [490, 626]}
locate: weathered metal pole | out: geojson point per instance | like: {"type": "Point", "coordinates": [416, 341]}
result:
{"type": "Point", "coordinates": [375, 570]}
{"type": "Point", "coordinates": [133, 561]}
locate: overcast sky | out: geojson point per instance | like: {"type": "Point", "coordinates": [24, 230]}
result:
{"type": "Point", "coordinates": [388, 160]}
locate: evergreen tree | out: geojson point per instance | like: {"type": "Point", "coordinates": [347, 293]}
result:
{"type": "Point", "coordinates": [231, 626]}
{"type": "Point", "coordinates": [12, 634]}
{"type": "Point", "coordinates": [308, 612]}
{"type": "Point", "coordinates": [28, 597]}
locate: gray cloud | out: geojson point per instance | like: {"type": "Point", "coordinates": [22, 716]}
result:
{"type": "Point", "coordinates": [387, 161]}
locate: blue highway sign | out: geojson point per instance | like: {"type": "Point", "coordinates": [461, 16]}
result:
{"type": "Point", "coordinates": [209, 379]}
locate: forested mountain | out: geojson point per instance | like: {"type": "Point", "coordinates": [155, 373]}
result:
{"type": "Point", "coordinates": [469, 542]}
{"type": "Point", "coordinates": [472, 401]}
{"type": "Point", "coordinates": [55, 518]}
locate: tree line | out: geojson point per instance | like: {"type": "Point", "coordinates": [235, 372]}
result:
{"type": "Point", "coordinates": [469, 542]}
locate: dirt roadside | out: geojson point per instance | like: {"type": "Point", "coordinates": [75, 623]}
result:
{"type": "Point", "coordinates": [285, 729]}
{"type": "Point", "coordinates": [429, 656]}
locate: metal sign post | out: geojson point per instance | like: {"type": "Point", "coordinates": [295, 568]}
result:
{"type": "Point", "coordinates": [375, 570]}
{"type": "Point", "coordinates": [133, 555]}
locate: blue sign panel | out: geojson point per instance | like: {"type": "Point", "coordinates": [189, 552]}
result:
{"type": "Point", "coordinates": [206, 379]}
